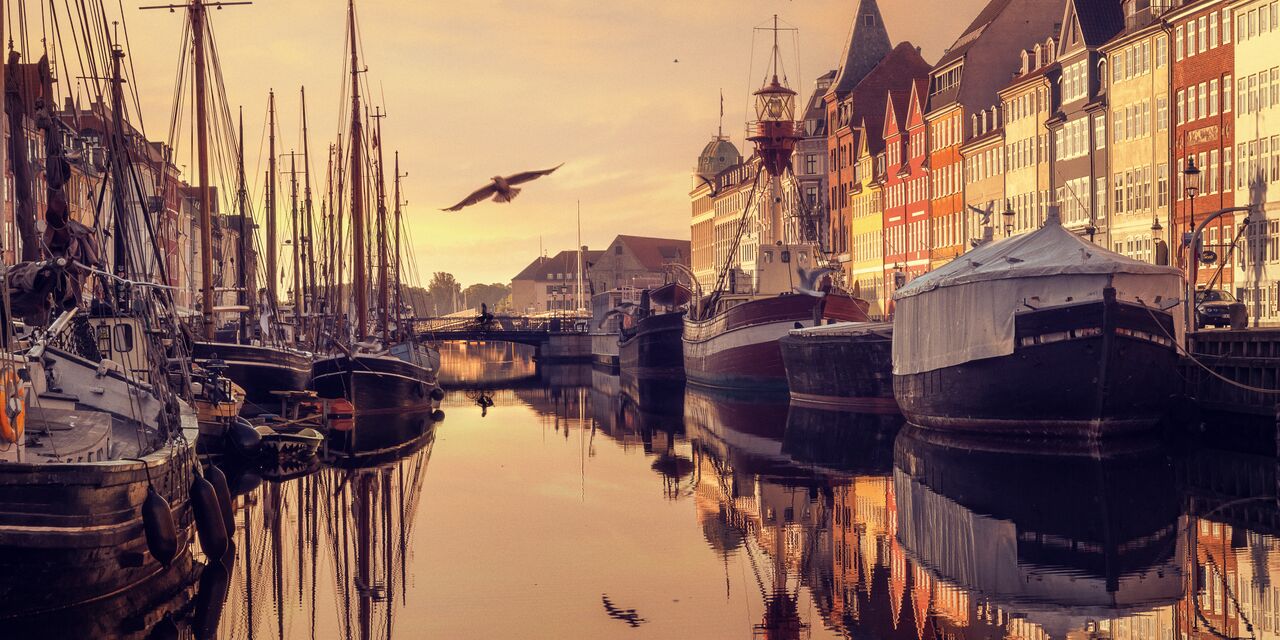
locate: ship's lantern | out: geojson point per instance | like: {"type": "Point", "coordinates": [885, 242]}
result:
{"type": "Point", "coordinates": [775, 103]}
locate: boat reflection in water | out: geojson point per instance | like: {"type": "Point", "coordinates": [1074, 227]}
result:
{"type": "Point", "coordinates": [326, 555]}
{"type": "Point", "coordinates": [1041, 543]}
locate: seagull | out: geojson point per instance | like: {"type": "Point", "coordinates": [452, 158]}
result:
{"type": "Point", "coordinates": [501, 188]}
{"type": "Point", "coordinates": [809, 281]}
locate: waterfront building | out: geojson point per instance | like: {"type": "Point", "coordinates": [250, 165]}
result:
{"type": "Point", "coordinates": [866, 47]}
{"type": "Point", "coordinates": [638, 262]}
{"type": "Point", "coordinates": [867, 220]}
{"type": "Point", "coordinates": [1203, 123]}
{"type": "Point", "coordinates": [963, 90]}
{"type": "Point", "coordinates": [984, 174]}
{"type": "Point", "coordinates": [906, 189]}
{"type": "Point", "coordinates": [809, 162]}
{"type": "Point", "coordinates": [1028, 102]}
{"type": "Point", "coordinates": [1134, 67]}
{"type": "Point", "coordinates": [1078, 128]}
{"type": "Point", "coordinates": [551, 284]}
{"type": "Point", "coordinates": [1257, 139]}
{"type": "Point", "coordinates": [717, 179]}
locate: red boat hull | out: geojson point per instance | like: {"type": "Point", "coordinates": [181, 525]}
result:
{"type": "Point", "coordinates": [738, 347]}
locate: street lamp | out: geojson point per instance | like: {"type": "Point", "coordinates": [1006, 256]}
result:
{"type": "Point", "coordinates": [1191, 186]}
{"type": "Point", "coordinates": [1009, 214]}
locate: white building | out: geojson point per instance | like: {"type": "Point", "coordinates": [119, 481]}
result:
{"type": "Point", "coordinates": [1257, 137]}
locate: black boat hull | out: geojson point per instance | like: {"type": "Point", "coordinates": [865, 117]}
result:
{"type": "Point", "coordinates": [1083, 370]}
{"type": "Point", "coordinates": [374, 384]}
{"type": "Point", "coordinates": [840, 371]}
{"type": "Point", "coordinates": [259, 370]}
{"type": "Point", "coordinates": [653, 348]}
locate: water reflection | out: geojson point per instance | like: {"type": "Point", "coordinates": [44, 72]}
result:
{"type": "Point", "coordinates": [576, 505]}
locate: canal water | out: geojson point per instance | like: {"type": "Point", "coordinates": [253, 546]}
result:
{"type": "Point", "coordinates": [562, 502]}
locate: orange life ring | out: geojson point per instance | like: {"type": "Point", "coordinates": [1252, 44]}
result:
{"type": "Point", "coordinates": [12, 423]}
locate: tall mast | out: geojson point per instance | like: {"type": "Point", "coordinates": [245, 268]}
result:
{"type": "Point", "coordinates": [331, 248]}
{"type": "Point", "coordinates": [273, 269]}
{"type": "Point", "coordinates": [297, 258]}
{"type": "Point", "coordinates": [397, 241]}
{"type": "Point", "coordinates": [357, 186]}
{"type": "Point", "coordinates": [382, 231]}
{"type": "Point", "coordinates": [310, 299]}
{"type": "Point", "coordinates": [202, 155]}
{"type": "Point", "coordinates": [246, 231]}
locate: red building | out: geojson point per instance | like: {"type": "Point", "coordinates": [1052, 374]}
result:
{"type": "Point", "coordinates": [1202, 119]}
{"type": "Point", "coordinates": [906, 187]}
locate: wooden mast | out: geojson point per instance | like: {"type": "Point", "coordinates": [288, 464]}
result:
{"type": "Point", "coordinates": [397, 242]}
{"type": "Point", "coordinates": [273, 271]}
{"type": "Point", "coordinates": [360, 284]}
{"type": "Point", "coordinates": [382, 232]}
{"type": "Point", "coordinates": [202, 155]}
{"type": "Point", "coordinates": [297, 248]}
{"type": "Point", "coordinates": [246, 231]}
{"type": "Point", "coordinates": [308, 240]}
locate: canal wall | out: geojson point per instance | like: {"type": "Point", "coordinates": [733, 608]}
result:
{"type": "Point", "coordinates": [1234, 371]}
{"type": "Point", "coordinates": [568, 347]}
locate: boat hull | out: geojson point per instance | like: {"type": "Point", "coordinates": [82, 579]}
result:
{"type": "Point", "coordinates": [840, 371]}
{"type": "Point", "coordinates": [738, 348]}
{"type": "Point", "coordinates": [72, 533]}
{"type": "Point", "coordinates": [258, 370]}
{"type": "Point", "coordinates": [653, 349]}
{"type": "Point", "coordinates": [1083, 370]}
{"type": "Point", "coordinates": [381, 388]}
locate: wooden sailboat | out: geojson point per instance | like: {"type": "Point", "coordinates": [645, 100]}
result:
{"type": "Point", "coordinates": [96, 445]}
{"type": "Point", "coordinates": [385, 370]}
{"type": "Point", "coordinates": [260, 366]}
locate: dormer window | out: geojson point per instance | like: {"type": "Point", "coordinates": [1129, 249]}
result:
{"type": "Point", "coordinates": [869, 20]}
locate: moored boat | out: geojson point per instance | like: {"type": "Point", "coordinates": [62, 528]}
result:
{"type": "Point", "coordinates": [847, 364]}
{"type": "Point", "coordinates": [652, 348]}
{"type": "Point", "coordinates": [259, 370]}
{"type": "Point", "coordinates": [1043, 333]}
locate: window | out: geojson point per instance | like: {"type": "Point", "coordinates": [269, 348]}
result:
{"type": "Point", "coordinates": [1275, 86]}
{"type": "Point", "coordinates": [1162, 113]}
{"type": "Point", "coordinates": [1264, 20]}
{"type": "Point", "coordinates": [1181, 111]}
{"type": "Point", "coordinates": [1204, 34]}
{"type": "Point", "coordinates": [1162, 184]}
{"type": "Point", "coordinates": [1177, 44]}
{"type": "Point", "coordinates": [1211, 183]}
{"type": "Point", "coordinates": [1213, 97]}
{"type": "Point", "coordinates": [1191, 39]}
{"type": "Point", "coordinates": [1117, 185]}
{"type": "Point", "coordinates": [1100, 131]}
{"type": "Point", "coordinates": [1226, 26]}
{"type": "Point", "coordinates": [1100, 197]}
{"type": "Point", "coordinates": [1242, 27]}
{"type": "Point", "coordinates": [1203, 99]}
{"type": "Point", "coordinates": [1227, 168]}
{"type": "Point", "coordinates": [1242, 92]}
{"type": "Point", "coordinates": [1162, 51]}
{"type": "Point", "coordinates": [1226, 93]}
{"type": "Point", "coordinates": [1213, 29]}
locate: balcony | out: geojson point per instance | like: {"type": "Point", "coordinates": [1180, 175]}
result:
{"type": "Point", "coordinates": [1146, 16]}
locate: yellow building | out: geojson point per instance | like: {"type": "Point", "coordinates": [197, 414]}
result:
{"type": "Point", "coordinates": [1027, 104]}
{"type": "Point", "coordinates": [865, 273]}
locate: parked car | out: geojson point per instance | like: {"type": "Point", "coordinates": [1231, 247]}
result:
{"type": "Point", "coordinates": [1215, 307]}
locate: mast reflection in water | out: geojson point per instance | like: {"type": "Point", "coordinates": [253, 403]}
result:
{"type": "Point", "coordinates": [569, 504]}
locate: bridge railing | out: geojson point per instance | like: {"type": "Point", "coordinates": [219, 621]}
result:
{"type": "Point", "coordinates": [503, 323]}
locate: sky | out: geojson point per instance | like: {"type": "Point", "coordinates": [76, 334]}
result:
{"type": "Point", "coordinates": [480, 88]}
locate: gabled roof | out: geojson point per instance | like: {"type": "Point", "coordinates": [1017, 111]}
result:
{"type": "Point", "coordinates": [1100, 20]}
{"type": "Point", "coordinates": [916, 102]}
{"type": "Point", "coordinates": [895, 72]}
{"type": "Point", "coordinates": [896, 108]}
{"type": "Point", "coordinates": [972, 32]}
{"type": "Point", "coordinates": [563, 262]}
{"type": "Point", "coordinates": [867, 44]}
{"type": "Point", "coordinates": [655, 252]}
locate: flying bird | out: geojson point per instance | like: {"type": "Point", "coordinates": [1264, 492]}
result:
{"type": "Point", "coordinates": [502, 189]}
{"type": "Point", "coordinates": [809, 282]}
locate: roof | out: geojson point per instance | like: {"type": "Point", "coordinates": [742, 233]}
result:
{"type": "Point", "coordinates": [1049, 251]}
{"type": "Point", "coordinates": [1100, 20]}
{"type": "Point", "coordinates": [655, 252]}
{"type": "Point", "coordinates": [895, 72]}
{"type": "Point", "coordinates": [563, 262]}
{"type": "Point", "coordinates": [865, 47]}
{"type": "Point", "coordinates": [972, 32]}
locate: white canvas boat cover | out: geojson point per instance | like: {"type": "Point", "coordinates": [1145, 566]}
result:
{"type": "Point", "coordinates": [965, 310]}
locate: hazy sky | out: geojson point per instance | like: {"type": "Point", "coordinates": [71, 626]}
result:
{"type": "Point", "coordinates": [485, 87]}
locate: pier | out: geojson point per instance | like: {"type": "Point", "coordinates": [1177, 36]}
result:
{"type": "Point", "coordinates": [555, 339]}
{"type": "Point", "coordinates": [1235, 369]}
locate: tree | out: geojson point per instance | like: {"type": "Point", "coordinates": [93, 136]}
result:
{"type": "Point", "coordinates": [490, 295]}
{"type": "Point", "coordinates": [444, 291]}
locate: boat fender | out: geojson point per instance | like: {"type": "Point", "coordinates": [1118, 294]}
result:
{"type": "Point", "coordinates": [244, 437]}
{"type": "Point", "coordinates": [158, 526]}
{"type": "Point", "coordinates": [437, 394]}
{"type": "Point", "coordinates": [210, 600]}
{"type": "Point", "coordinates": [437, 415]}
{"type": "Point", "coordinates": [208, 516]}
{"type": "Point", "coordinates": [218, 479]}
{"type": "Point", "coordinates": [13, 407]}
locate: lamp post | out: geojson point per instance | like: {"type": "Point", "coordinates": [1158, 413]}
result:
{"type": "Point", "coordinates": [1191, 187]}
{"type": "Point", "coordinates": [1009, 214]}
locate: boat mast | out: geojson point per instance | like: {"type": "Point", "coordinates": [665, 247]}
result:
{"type": "Point", "coordinates": [297, 259]}
{"type": "Point", "coordinates": [272, 268]}
{"type": "Point", "coordinates": [246, 230]}
{"type": "Point", "coordinates": [202, 156]}
{"type": "Point", "coordinates": [359, 281]}
{"type": "Point", "coordinates": [308, 240]}
{"type": "Point", "coordinates": [382, 230]}
{"type": "Point", "coordinates": [397, 241]}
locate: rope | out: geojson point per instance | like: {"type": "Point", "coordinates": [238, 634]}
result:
{"type": "Point", "coordinates": [1178, 345]}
